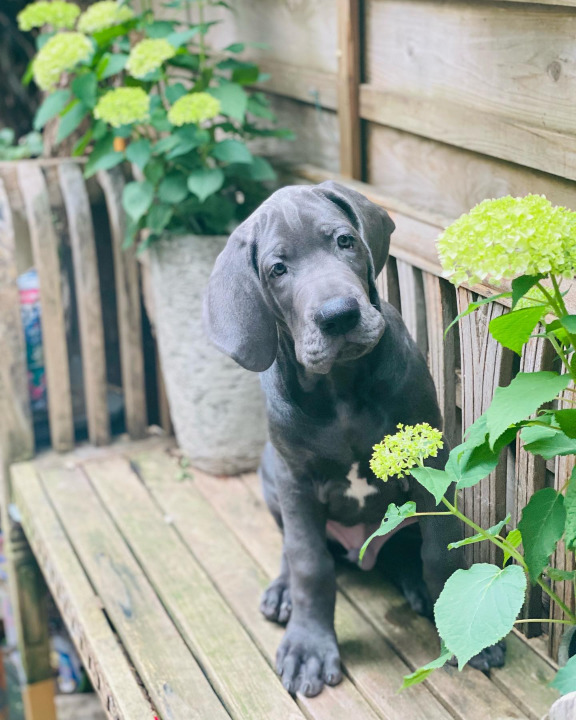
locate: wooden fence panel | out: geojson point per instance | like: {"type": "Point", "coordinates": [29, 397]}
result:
{"type": "Point", "coordinates": [45, 250]}
{"type": "Point", "coordinates": [88, 298]}
{"type": "Point", "coordinates": [348, 85]}
{"type": "Point", "coordinates": [127, 283]}
{"type": "Point", "coordinates": [485, 366]}
{"type": "Point", "coordinates": [496, 79]}
{"type": "Point", "coordinates": [412, 303]}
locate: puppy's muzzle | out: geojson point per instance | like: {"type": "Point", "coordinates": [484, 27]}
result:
{"type": "Point", "coordinates": [338, 316]}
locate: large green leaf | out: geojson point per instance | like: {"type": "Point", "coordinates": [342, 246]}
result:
{"type": "Point", "coordinates": [541, 525]}
{"type": "Point", "coordinates": [52, 106]}
{"type": "Point", "coordinates": [232, 151]}
{"type": "Point", "coordinates": [470, 463]}
{"type": "Point", "coordinates": [478, 607]}
{"type": "Point", "coordinates": [137, 198]}
{"type": "Point", "coordinates": [435, 481]}
{"type": "Point", "coordinates": [103, 156]}
{"type": "Point", "coordinates": [85, 87]}
{"type": "Point", "coordinates": [71, 120]}
{"type": "Point", "coordinates": [261, 170]}
{"type": "Point", "coordinates": [513, 329]}
{"type": "Point", "coordinates": [569, 322]}
{"type": "Point", "coordinates": [139, 152]}
{"type": "Point", "coordinates": [394, 516]}
{"type": "Point", "coordinates": [173, 188]}
{"type": "Point", "coordinates": [205, 182]}
{"type": "Point", "coordinates": [233, 100]}
{"type": "Point", "coordinates": [566, 419]}
{"type": "Point", "coordinates": [111, 64]}
{"type": "Point", "coordinates": [159, 216]}
{"type": "Point", "coordinates": [570, 507]}
{"type": "Point", "coordinates": [525, 394]}
{"type": "Point", "coordinates": [422, 673]}
{"type": "Point", "coordinates": [494, 530]}
{"type": "Point", "coordinates": [565, 680]}
{"type": "Point", "coordinates": [547, 442]}
{"type": "Point", "coordinates": [522, 285]}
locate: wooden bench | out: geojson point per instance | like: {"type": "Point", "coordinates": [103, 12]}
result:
{"type": "Point", "coordinates": [157, 568]}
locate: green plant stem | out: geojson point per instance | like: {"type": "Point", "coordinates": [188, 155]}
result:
{"type": "Point", "coordinates": [561, 355]}
{"type": "Point", "coordinates": [551, 300]}
{"type": "Point", "coordinates": [430, 513]}
{"type": "Point", "coordinates": [552, 595]}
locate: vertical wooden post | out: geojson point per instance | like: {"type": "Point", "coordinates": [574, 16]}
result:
{"type": "Point", "coordinates": [348, 88]}
{"type": "Point", "coordinates": [27, 588]}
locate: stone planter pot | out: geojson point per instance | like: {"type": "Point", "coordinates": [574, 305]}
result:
{"type": "Point", "coordinates": [217, 407]}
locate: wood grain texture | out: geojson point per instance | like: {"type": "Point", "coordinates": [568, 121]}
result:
{"type": "Point", "coordinates": [238, 577]}
{"type": "Point", "coordinates": [412, 303]}
{"type": "Point", "coordinates": [485, 366]}
{"type": "Point", "coordinates": [243, 680]}
{"type": "Point", "coordinates": [308, 85]}
{"type": "Point", "coordinates": [498, 79]}
{"type": "Point", "coordinates": [81, 609]}
{"type": "Point", "coordinates": [127, 282]}
{"type": "Point", "coordinates": [87, 284]}
{"type": "Point", "coordinates": [16, 429]}
{"type": "Point", "coordinates": [440, 309]}
{"type": "Point", "coordinates": [348, 88]}
{"type": "Point", "coordinates": [448, 180]}
{"type": "Point", "coordinates": [45, 248]}
{"type": "Point", "coordinates": [174, 680]}
{"type": "Point", "coordinates": [368, 660]}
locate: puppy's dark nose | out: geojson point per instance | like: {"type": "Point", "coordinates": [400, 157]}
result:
{"type": "Point", "coordinates": [338, 316]}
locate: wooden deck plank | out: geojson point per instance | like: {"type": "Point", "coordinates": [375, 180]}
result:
{"type": "Point", "coordinates": [174, 680]}
{"type": "Point", "coordinates": [81, 608]}
{"type": "Point", "coordinates": [45, 249]}
{"type": "Point", "coordinates": [245, 683]}
{"type": "Point", "coordinates": [414, 640]}
{"type": "Point", "coordinates": [87, 284]}
{"type": "Point", "coordinates": [236, 575]}
{"type": "Point", "coordinates": [127, 283]}
{"type": "Point", "coordinates": [368, 660]}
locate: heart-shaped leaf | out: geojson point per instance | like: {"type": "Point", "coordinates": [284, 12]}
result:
{"type": "Point", "coordinates": [205, 182]}
{"type": "Point", "coordinates": [541, 525]}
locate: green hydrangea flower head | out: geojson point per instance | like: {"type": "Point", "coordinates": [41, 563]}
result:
{"type": "Point", "coordinates": [123, 106]}
{"type": "Point", "coordinates": [147, 56]}
{"type": "Point", "coordinates": [508, 237]}
{"type": "Point", "coordinates": [194, 108]}
{"type": "Point", "coordinates": [103, 15]}
{"type": "Point", "coordinates": [61, 53]}
{"type": "Point", "coordinates": [397, 454]}
{"type": "Point", "coordinates": [58, 13]}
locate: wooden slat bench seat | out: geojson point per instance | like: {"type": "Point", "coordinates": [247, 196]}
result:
{"type": "Point", "coordinates": [158, 572]}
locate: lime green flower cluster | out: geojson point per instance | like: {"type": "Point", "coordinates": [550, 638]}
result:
{"type": "Point", "coordinates": [147, 56]}
{"type": "Point", "coordinates": [103, 15]}
{"type": "Point", "coordinates": [123, 106]}
{"type": "Point", "coordinates": [509, 237]}
{"type": "Point", "coordinates": [58, 13]}
{"type": "Point", "coordinates": [61, 53]}
{"type": "Point", "coordinates": [194, 108]}
{"type": "Point", "coordinates": [397, 454]}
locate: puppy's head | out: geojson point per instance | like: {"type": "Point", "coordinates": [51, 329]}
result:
{"type": "Point", "coordinates": [305, 261]}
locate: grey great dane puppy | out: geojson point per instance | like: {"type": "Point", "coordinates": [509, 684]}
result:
{"type": "Point", "coordinates": [293, 296]}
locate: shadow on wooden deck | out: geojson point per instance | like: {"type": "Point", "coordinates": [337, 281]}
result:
{"type": "Point", "coordinates": [158, 571]}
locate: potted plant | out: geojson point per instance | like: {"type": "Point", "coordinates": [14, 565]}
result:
{"type": "Point", "coordinates": [531, 241]}
{"type": "Point", "coordinates": [151, 92]}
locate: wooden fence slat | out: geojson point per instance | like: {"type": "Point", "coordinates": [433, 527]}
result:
{"type": "Point", "coordinates": [412, 303]}
{"type": "Point", "coordinates": [126, 274]}
{"type": "Point", "coordinates": [101, 654]}
{"type": "Point", "coordinates": [169, 671]}
{"type": "Point", "coordinates": [88, 298]}
{"type": "Point", "coordinates": [440, 307]}
{"type": "Point", "coordinates": [45, 250]}
{"type": "Point", "coordinates": [245, 683]}
{"type": "Point", "coordinates": [348, 88]}
{"type": "Point", "coordinates": [16, 431]}
{"type": "Point", "coordinates": [485, 365]}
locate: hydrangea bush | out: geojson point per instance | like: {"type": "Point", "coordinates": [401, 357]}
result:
{"type": "Point", "coordinates": [532, 244]}
{"type": "Point", "coordinates": [151, 92]}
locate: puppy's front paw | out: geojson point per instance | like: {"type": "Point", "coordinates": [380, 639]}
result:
{"type": "Point", "coordinates": [307, 659]}
{"type": "Point", "coordinates": [493, 656]}
{"type": "Point", "coordinates": [276, 604]}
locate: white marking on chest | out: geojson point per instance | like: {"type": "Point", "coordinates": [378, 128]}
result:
{"type": "Point", "coordinates": [359, 488]}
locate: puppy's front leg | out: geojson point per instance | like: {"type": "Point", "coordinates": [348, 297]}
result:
{"type": "Point", "coordinates": [308, 655]}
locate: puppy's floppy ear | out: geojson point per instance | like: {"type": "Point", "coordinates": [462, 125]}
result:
{"type": "Point", "coordinates": [371, 220]}
{"type": "Point", "coordinates": [236, 318]}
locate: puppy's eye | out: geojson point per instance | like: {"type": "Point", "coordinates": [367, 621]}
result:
{"type": "Point", "coordinates": [278, 269]}
{"type": "Point", "coordinates": [346, 241]}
